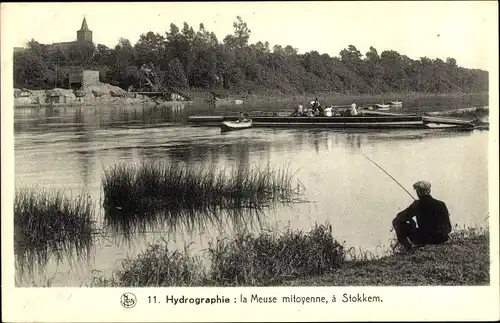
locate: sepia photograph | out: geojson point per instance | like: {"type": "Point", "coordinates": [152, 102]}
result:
{"type": "Point", "coordinates": [250, 144]}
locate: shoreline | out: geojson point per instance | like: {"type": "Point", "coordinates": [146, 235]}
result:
{"type": "Point", "coordinates": [201, 97]}
{"type": "Point", "coordinates": [339, 97]}
{"type": "Point", "coordinates": [101, 103]}
{"type": "Point", "coordinates": [462, 261]}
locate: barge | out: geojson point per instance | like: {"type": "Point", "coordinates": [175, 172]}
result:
{"type": "Point", "coordinates": [363, 122]}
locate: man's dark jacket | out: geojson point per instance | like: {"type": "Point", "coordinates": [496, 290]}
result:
{"type": "Point", "coordinates": [432, 216]}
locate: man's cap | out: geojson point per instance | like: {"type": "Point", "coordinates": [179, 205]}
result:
{"type": "Point", "coordinates": [422, 186]}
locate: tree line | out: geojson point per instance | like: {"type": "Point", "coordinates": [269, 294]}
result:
{"type": "Point", "coordinates": [189, 59]}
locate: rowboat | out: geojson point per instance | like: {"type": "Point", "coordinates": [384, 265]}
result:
{"type": "Point", "coordinates": [218, 101]}
{"type": "Point", "coordinates": [229, 125]}
{"type": "Point", "coordinates": [372, 121]}
{"type": "Point", "coordinates": [396, 103]}
{"type": "Point", "coordinates": [381, 106]}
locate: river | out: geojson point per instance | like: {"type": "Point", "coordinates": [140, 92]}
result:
{"type": "Point", "coordinates": [68, 148]}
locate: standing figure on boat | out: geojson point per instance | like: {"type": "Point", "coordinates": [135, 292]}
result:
{"type": "Point", "coordinates": [319, 111]}
{"type": "Point", "coordinates": [315, 106]}
{"type": "Point", "coordinates": [432, 216]}
{"type": "Point", "coordinates": [353, 111]}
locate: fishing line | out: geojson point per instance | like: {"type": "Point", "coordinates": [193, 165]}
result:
{"type": "Point", "coordinates": [387, 174]}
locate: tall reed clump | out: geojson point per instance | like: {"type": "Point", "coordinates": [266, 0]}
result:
{"type": "Point", "coordinates": [149, 187]}
{"type": "Point", "coordinates": [46, 222]}
{"type": "Point", "coordinates": [159, 266]}
{"type": "Point", "coordinates": [268, 259]}
{"type": "Point", "coordinates": [246, 260]}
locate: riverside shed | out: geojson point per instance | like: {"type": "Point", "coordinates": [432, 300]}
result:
{"type": "Point", "coordinates": [83, 79]}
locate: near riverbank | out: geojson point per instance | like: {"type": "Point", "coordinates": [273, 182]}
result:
{"type": "Point", "coordinates": [312, 259]}
{"type": "Point", "coordinates": [464, 260]}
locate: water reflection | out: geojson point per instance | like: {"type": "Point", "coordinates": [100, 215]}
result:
{"type": "Point", "coordinates": [356, 139]}
{"type": "Point", "coordinates": [32, 260]}
{"type": "Point", "coordinates": [86, 157]}
{"type": "Point", "coordinates": [97, 117]}
{"type": "Point", "coordinates": [126, 226]}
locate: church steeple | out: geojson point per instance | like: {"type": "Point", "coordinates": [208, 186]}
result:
{"type": "Point", "coordinates": [84, 24]}
{"type": "Point", "coordinates": [84, 34]}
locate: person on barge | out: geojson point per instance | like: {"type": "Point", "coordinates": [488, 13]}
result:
{"type": "Point", "coordinates": [353, 111]}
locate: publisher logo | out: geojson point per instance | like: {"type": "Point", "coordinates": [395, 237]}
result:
{"type": "Point", "coordinates": [128, 300]}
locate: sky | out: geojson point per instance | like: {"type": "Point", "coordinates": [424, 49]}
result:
{"type": "Point", "coordinates": [464, 30]}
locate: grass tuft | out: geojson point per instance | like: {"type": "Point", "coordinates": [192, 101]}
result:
{"type": "Point", "coordinates": [268, 258]}
{"type": "Point", "coordinates": [135, 192]}
{"type": "Point", "coordinates": [157, 266]}
{"type": "Point", "coordinates": [48, 223]}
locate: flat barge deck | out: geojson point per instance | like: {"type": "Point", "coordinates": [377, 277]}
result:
{"type": "Point", "coordinates": [365, 122]}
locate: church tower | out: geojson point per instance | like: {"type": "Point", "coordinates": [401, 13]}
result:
{"type": "Point", "coordinates": [84, 34]}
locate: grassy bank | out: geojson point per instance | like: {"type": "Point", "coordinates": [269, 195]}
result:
{"type": "Point", "coordinates": [160, 186]}
{"type": "Point", "coordinates": [296, 258]}
{"type": "Point", "coordinates": [48, 223]}
{"type": "Point", "coordinates": [245, 260]}
{"type": "Point", "coordinates": [462, 261]}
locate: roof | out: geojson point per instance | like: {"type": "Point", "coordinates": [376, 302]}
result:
{"type": "Point", "coordinates": [59, 46]}
{"type": "Point", "coordinates": [84, 25]}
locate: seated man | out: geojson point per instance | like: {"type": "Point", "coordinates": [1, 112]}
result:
{"type": "Point", "coordinates": [299, 110]}
{"type": "Point", "coordinates": [432, 217]}
{"type": "Point", "coordinates": [243, 117]}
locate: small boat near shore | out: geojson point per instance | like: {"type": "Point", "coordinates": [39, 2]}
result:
{"type": "Point", "coordinates": [381, 106]}
{"type": "Point", "coordinates": [235, 125]}
{"type": "Point", "coordinates": [218, 102]}
{"type": "Point", "coordinates": [396, 104]}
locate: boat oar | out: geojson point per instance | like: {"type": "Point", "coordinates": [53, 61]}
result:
{"type": "Point", "coordinates": [388, 175]}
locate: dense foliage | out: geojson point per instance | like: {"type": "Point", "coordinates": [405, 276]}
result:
{"type": "Point", "coordinates": [197, 59]}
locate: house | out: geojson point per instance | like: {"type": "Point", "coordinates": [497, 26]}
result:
{"type": "Point", "coordinates": [55, 96]}
{"type": "Point", "coordinates": [83, 79]}
{"type": "Point", "coordinates": [22, 97]}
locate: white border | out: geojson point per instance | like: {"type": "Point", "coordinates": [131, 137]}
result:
{"type": "Point", "coordinates": [102, 305]}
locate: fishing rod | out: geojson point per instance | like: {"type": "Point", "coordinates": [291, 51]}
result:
{"type": "Point", "coordinates": [388, 174]}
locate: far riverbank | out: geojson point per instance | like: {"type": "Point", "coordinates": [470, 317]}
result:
{"type": "Point", "coordinates": [481, 98]}
{"type": "Point", "coordinates": [116, 96]}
